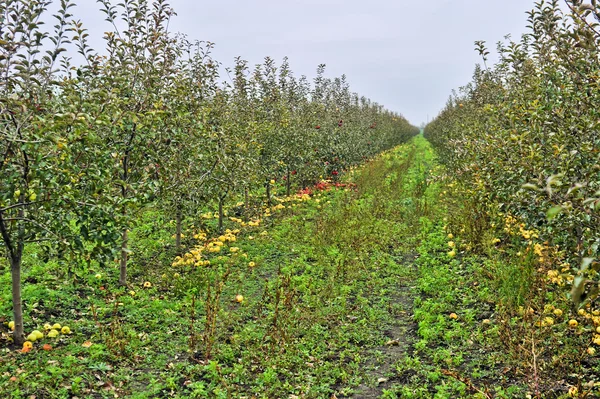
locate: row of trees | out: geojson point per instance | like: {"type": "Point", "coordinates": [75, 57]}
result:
{"type": "Point", "coordinates": [527, 131]}
{"type": "Point", "coordinates": [87, 139]}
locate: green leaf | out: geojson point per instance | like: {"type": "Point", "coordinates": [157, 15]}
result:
{"type": "Point", "coordinates": [529, 186]}
{"type": "Point", "coordinates": [553, 212]}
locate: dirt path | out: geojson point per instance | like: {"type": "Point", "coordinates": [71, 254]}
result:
{"type": "Point", "coordinates": [401, 335]}
{"type": "Point", "coordinates": [407, 193]}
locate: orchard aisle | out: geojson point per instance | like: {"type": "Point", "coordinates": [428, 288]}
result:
{"type": "Point", "coordinates": [438, 338]}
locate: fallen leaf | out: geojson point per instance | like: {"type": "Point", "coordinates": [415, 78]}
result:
{"type": "Point", "coordinates": [86, 344]}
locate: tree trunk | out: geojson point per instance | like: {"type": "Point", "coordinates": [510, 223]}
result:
{"type": "Point", "coordinates": [288, 186]}
{"type": "Point", "coordinates": [221, 214]}
{"type": "Point", "coordinates": [123, 272]}
{"type": "Point", "coordinates": [15, 251]}
{"type": "Point", "coordinates": [246, 203]}
{"type": "Point", "coordinates": [269, 193]}
{"type": "Point", "coordinates": [123, 275]}
{"type": "Point", "coordinates": [15, 271]}
{"type": "Point", "coordinates": [178, 232]}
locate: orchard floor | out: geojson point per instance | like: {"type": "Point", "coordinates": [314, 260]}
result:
{"type": "Point", "coordinates": [350, 294]}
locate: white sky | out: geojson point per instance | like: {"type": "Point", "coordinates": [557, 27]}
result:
{"type": "Point", "coordinates": [406, 55]}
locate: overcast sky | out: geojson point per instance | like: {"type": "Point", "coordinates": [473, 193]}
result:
{"type": "Point", "coordinates": [406, 55]}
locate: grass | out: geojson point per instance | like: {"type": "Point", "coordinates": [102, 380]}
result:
{"type": "Point", "coordinates": [350, 292]}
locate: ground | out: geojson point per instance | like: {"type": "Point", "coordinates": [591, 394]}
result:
{"type": "Point", "coordinates": [350, 292]}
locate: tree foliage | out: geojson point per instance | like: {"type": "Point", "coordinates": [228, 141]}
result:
{"type": "Point", "coordinates": [524, 132]}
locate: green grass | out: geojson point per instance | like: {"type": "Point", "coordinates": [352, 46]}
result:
{"type": "Point", "coordinates": [337, 278]}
